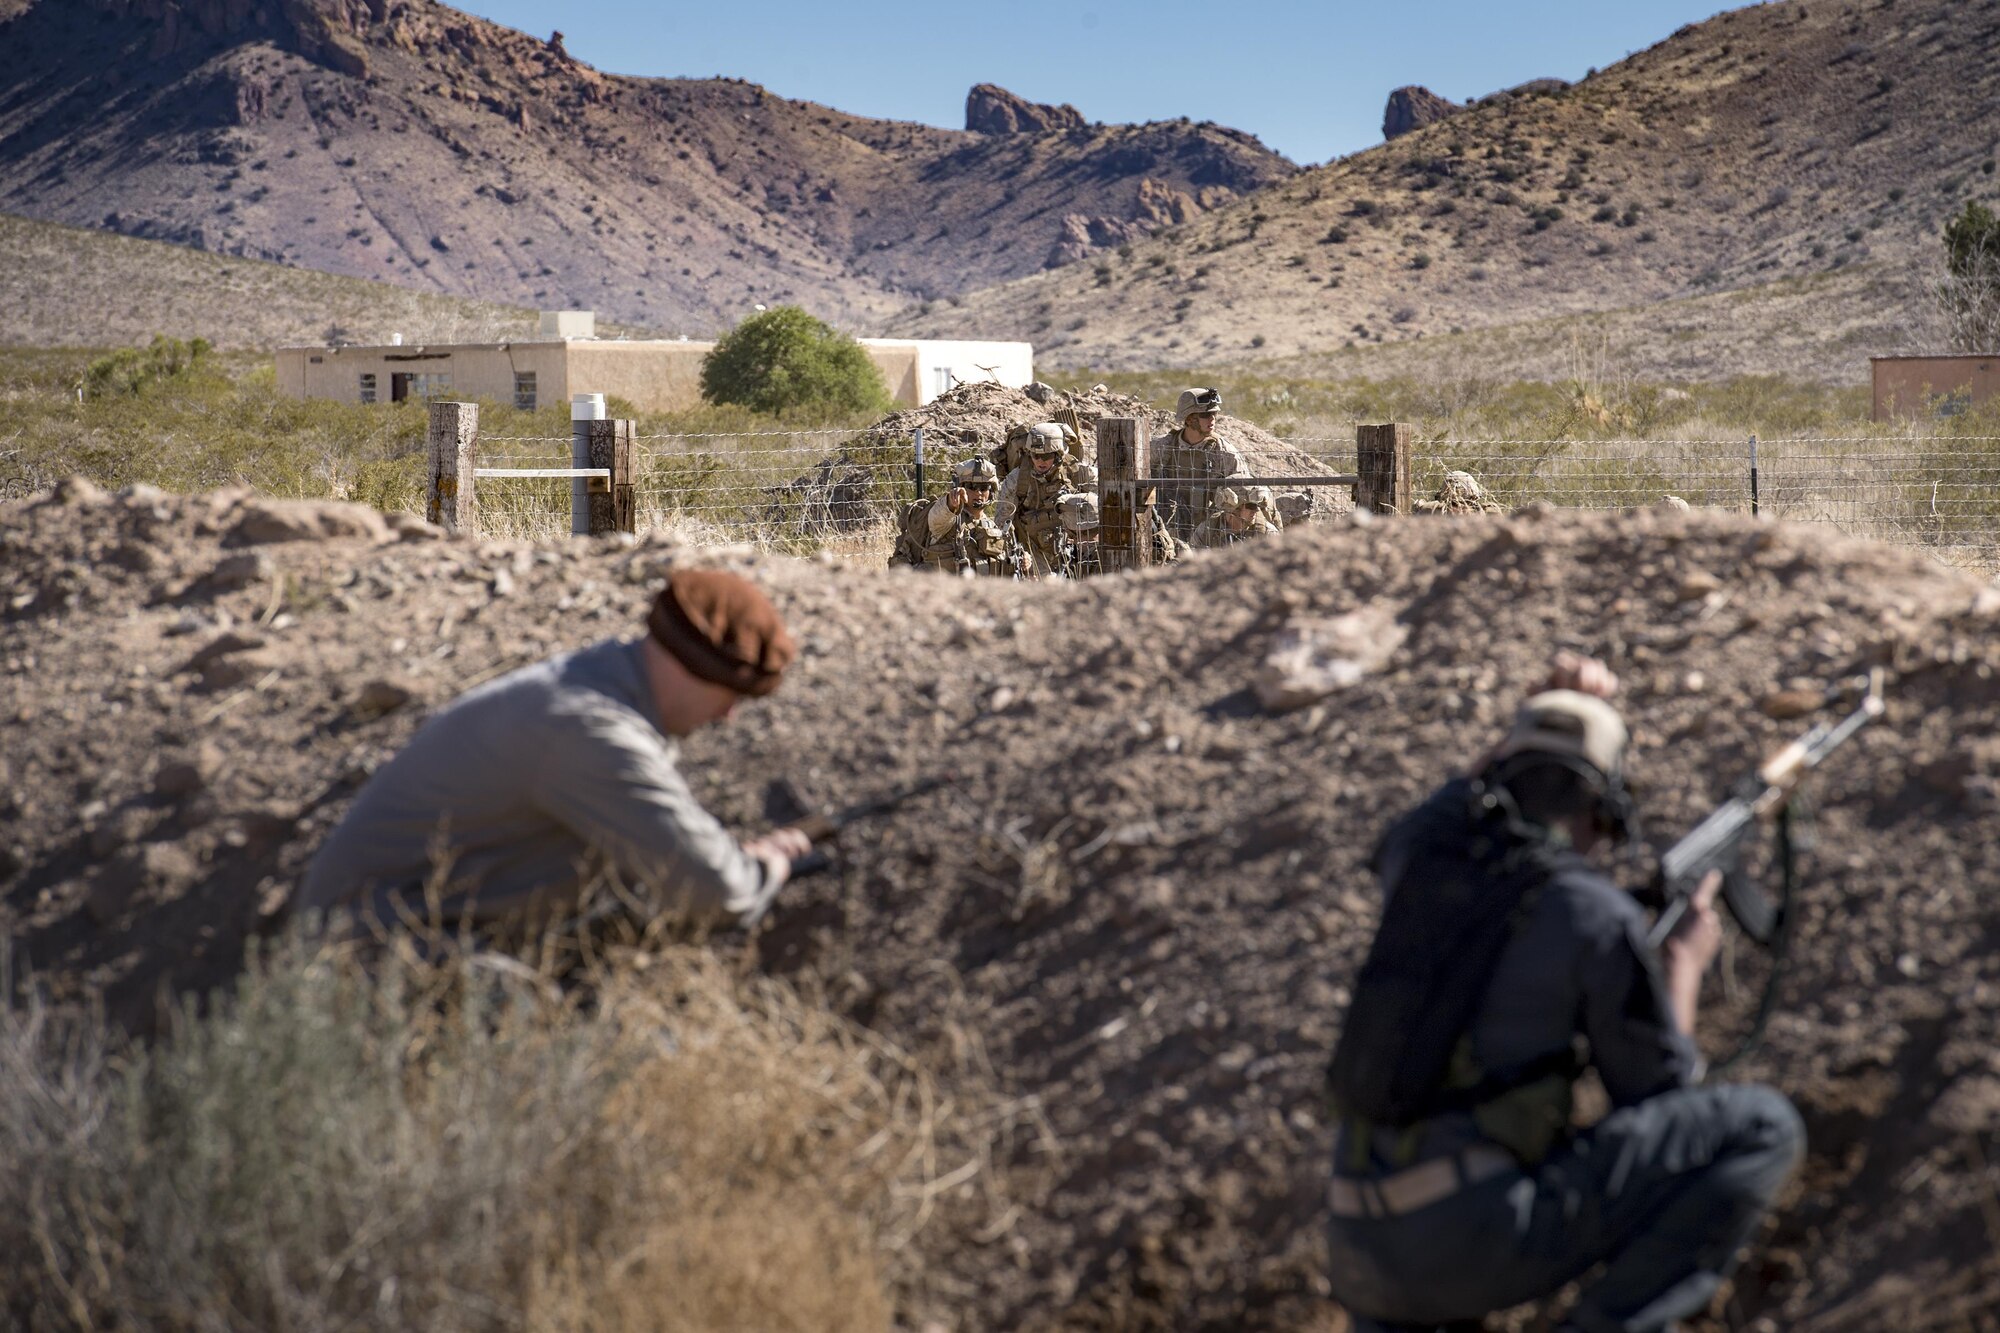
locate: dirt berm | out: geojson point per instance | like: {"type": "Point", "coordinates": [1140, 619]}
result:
{"type": "Point", "coordinates": [1144, 901]}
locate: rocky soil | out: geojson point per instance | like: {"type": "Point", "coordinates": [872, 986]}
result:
{"type": "Point", "coordinates": [1143, 902]}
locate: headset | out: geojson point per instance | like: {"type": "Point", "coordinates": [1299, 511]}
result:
{"type": "Point", "coordinates": [1614, 810]}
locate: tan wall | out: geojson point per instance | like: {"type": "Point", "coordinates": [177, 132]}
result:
{"type": "Point", "coordinates": [1908, 386]}
{"type": "Point", "coordinates": [483, 372]}
{"type": "Point", "coordinates": [666, 377]}
{"type": "Point", "coordinates": [901, 369]}
{"type": "Point", "coordinates": [652, 376]}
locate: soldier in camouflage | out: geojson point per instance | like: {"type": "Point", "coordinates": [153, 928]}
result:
{"type": "Point", "coordinates": [1238, 515]}
{"type": "Point", "coordinates": [955, 532]}
{"type": "Point", "coordinates": [1196, 461]}
{"type": "Point", "coordinates": [1030, 495]}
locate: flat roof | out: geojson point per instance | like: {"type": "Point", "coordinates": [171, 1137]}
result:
{"type": "Point", "coordinates": [1940, 356]}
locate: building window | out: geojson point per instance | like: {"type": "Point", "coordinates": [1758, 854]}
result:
{"type": "Point", "coordinates": [943, 379]}
{"type": "Point", "coordinates": [524, 390]}
{"type": "Point", "coordinates": [417, 384]}
{"type": "Point", "coordinates": [367, 388]}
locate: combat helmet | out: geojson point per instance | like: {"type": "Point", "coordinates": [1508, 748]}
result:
{"type": "Point", "coordinates": [1077, 512]}
{"type": "Point", "coordinates": [1045, 440]}
{"type": "Point", "coordinates": [976, 471]}
{"type": "Point", "coordinates": [1193, 401]}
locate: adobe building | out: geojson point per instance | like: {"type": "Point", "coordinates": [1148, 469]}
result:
{"type": "Point", "coordinates": [1925, 386]}
{"type": "Point", "coordinates": [567, 359]}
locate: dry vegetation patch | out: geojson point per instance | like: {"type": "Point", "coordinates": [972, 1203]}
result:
{"type": "Point", "coordinates": [400, 1144]}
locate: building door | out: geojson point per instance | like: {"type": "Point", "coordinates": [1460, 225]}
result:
{"type": "Point", "coordinates": [399, 386]}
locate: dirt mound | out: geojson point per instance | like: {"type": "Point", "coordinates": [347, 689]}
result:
{"type": "Point", "coordinates": [1145, 899]}
{"type": "Point", "coordinates": [855, 486]}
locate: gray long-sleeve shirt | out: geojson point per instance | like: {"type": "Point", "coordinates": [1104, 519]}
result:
{"type": "Point", "coordinates": [530, 785]}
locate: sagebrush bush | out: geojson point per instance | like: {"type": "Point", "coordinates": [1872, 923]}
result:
{"type": "Point", "coordinates": [784, 361]}
{"type": "Point", "coordinates": [461, 1147]}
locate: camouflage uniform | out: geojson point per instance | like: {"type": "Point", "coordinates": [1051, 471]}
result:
{"type": "Point", "coordinates": [1196, 469]}
{"type": "Point", "coordinates": [968, 541]}
{"type": "Point", "coordinates": [1028, 499]}
{"type": "Point", "coordinates": [1215, 531]}
{"type": "Point", "coordinates": [1077, 512]}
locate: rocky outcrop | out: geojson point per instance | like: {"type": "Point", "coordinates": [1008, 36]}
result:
{"type": "Point", "coordinates": [1412, 108]}
{"type": "Point", "coordinates": [1156, 205]}
{"type": "Point", "coordinates": [991, 109]}
{"type": "Point", "coordinates": [328, 32]}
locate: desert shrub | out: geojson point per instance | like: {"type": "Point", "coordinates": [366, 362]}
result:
{"type": "Point", "coordinates": [787, 362]}
{"type": "Point", "coordinates": [131, 371]}
{"type": "Point", "coordinates": [458, 1147]}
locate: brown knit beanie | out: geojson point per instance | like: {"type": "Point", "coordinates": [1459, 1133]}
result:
{"type": "Point", "coordinates": [722, 628]}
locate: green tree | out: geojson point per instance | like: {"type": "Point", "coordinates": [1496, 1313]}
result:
{"type": "Point", "coordinates": [784, 361]}
{"type": "Point", "coordinates": [1968, 291]}
{"type": "Point", "coordinates": [1972, 240]}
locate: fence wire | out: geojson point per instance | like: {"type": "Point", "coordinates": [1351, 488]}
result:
{"type": "Point", "coordinates": [803, 489]}
{"type": "Point", "coordinates": [845, 491]}
{"type": "Point", "coordinates": [1940, 494]}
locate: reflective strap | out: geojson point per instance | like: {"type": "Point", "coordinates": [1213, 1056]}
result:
{"type": "Point", "coordinates": [1419, 1187]}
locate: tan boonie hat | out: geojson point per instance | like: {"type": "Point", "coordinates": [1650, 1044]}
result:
{"type": "Point", "coordinates": [1196, 400]}
{"type": "Point", "coordinates": [1566, 722]}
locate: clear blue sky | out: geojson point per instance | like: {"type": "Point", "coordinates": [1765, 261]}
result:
{"type": "Point", "coordinates": [1309, 79]}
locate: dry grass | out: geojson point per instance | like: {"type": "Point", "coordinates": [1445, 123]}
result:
{"type": "Point", "coordinates": [466, 1146]}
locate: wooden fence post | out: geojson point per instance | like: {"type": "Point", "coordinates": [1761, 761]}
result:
{"type": "Point", "coordinates": [1382, 466]}
{"type": "Point", "coordinates": [612, 502]}
{"type": "Point", "coordinates": [1125, 531]}
{"type": "Point", "coordinates": [453, 438]}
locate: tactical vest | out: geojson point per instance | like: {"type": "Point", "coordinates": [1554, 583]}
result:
{"type": "Point", "coordinates": [977, 544]}
{"type": "Point", "coordinates": [1035, 514]}
{"type": "Point", "coordinates": [1404, 1054]}
{"type": "Point", "coordinates": [1196, 469]}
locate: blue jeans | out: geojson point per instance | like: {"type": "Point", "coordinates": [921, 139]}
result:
{"type": "Point", "coordinates": [1664, 1194]}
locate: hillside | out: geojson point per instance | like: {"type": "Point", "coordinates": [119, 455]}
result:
{"type": "Point", "coordinates": [421, 146]}
{"type": "Point", "coordinates": [1141, 907]}
{"type": "Point", "coordinates": [73, 287]}
{"type": "Point", "coordinates": [1772, 143]}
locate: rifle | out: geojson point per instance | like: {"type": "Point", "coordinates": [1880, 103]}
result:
{"type": "Point", "coordinates": [1717, 843]}
{"type": "Point", "coordinates": [782, 805]}
{"type": "Point", "coordinates": [825, 827]}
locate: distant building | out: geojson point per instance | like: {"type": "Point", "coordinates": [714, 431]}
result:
{"type": "Point", "coordinates": [1932, 386]}
{"type": "Point", "coordinates": [566, 359]}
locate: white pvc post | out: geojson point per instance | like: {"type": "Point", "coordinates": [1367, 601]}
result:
{"type": "Point", "coordinates": [584, 408]}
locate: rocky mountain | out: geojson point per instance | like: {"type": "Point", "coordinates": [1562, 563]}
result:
{"type": "Point", "coordinates": [1772, 144]}
{"type": "Point", "coordinates": [411, 143]}
{"type": "Point", "coordinates": [1414, 107]}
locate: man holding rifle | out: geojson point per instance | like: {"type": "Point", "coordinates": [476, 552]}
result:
{"type": "Point", "coordinates": [508, 803]}
{"type": "Point", "coordinates": [1505, 964]}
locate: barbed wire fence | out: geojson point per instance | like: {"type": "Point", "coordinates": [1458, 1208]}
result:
{"type": "Point", "coordinates": [844, 491]}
